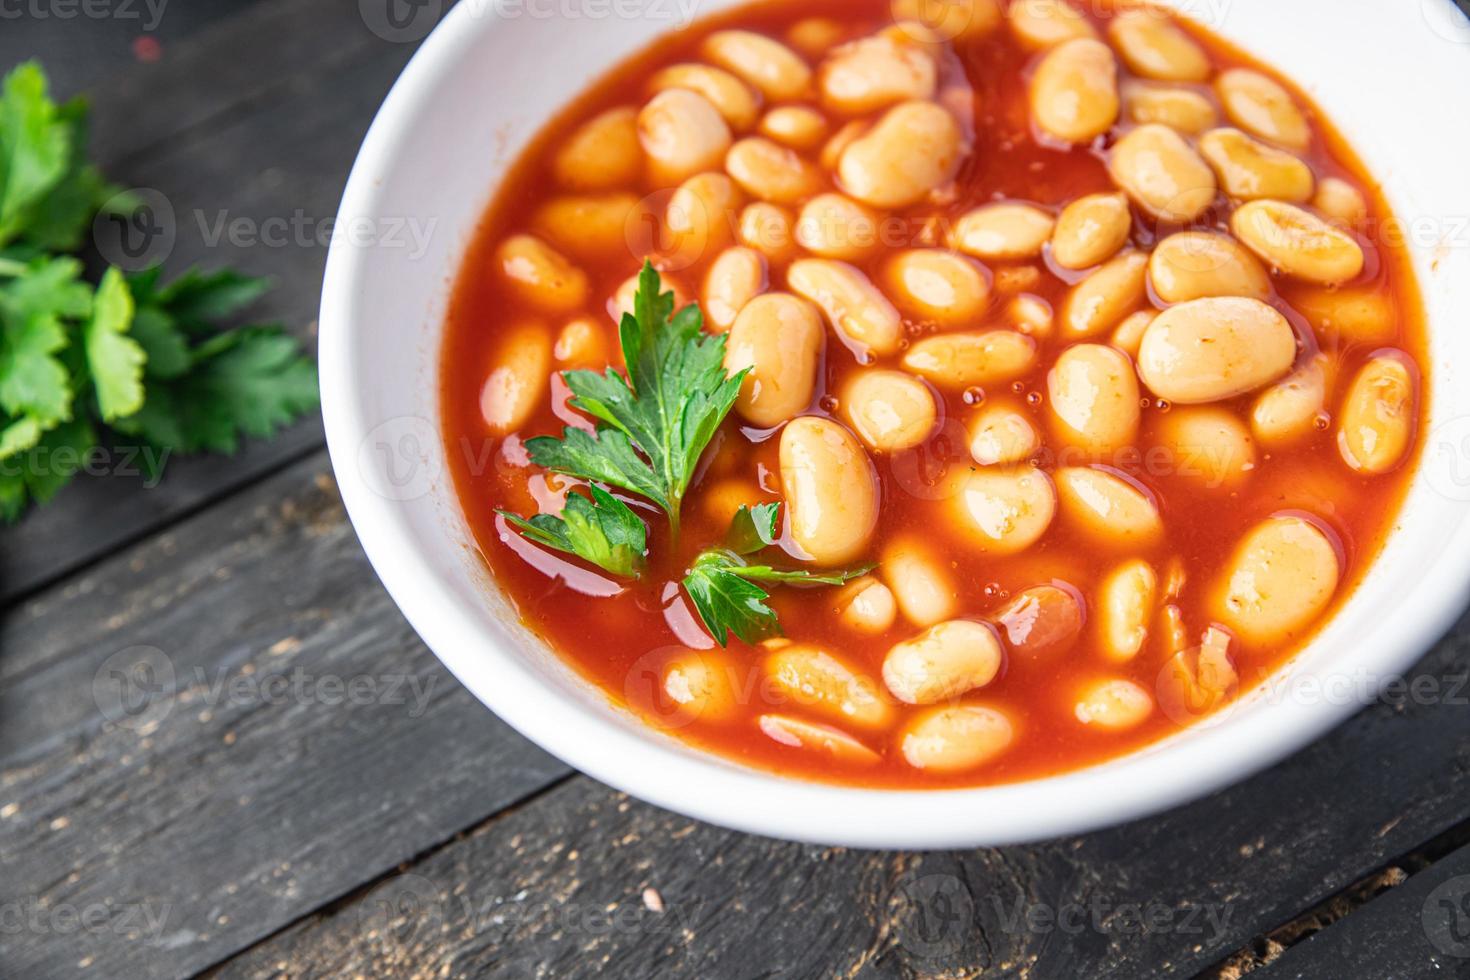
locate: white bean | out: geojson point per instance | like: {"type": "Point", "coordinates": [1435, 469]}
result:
{"type": "Point", "coordinates": [603, 153]}
{"type": "Point", "coordinates": [1162, 173]}
{"type": "Point", "coordinates": [1074, 92]}
{"type": "Point", "coordinates": [1263, 108]}
{"type": "Point", "coordinates": [1002, 433]}
{"type": "Point", "coordinates": [889, 410]}
{"type": "Point", "coordinates": [779, 73]}
{"type": "Point", "coordinates": [816, 681]}
{"type": "Point", "coordinates": [737, 276]}
{"type": "Point", "coordinates": [1209, 445]}
{"type": "Point", "coordinates": [853, 305]}
{"type": "Point", "coordinates": [1126, 600]}
{"type": "Point", "coordinates": [1091, 230]}
{"type": "Point", "coordinates": [1200, 264]}
{"type": "Point", "coordinates": [932, 284]}
{"type": "Point", "coordinates": [1004, 231]}
{"type": "Point", "coordinates": [682, 134]}
{"type": "Point", "coordinates": [831, 490]}
{"type": "Point", "coordinates": [1211, 349]}
{"type": "Point", "coordinates": [518, 382]}
{"type": "Point", "coordinates": [1377, 420]}
{"type": "Point", "coordinates": [925, 591]}
{"type": "Point", "coordinates": [962, 359]}
{"type": "Point", "coordinates": [1297, 242]}
{"type": "Point", "coordinates": [1107, 506]}
{"type": "Point", "coordinates": [1114, 705]}
{"type": "Point", "coordinates": [1283, 575]}
{"type": "Point", "coordinates": [780, 338]}
{"type": "Point", "coordinates": [912, 150]}
{"type": "Point", "coordinates": [1093, 394]}
{"type": "Point", "coordinates": [1007, 509]}
{"type": "Point", "coordinates": [944, 661]}
{"type": "Point", "coordinates": [814, 737]}
{"type": "Point", "coordinates": [955, 739]}
{"type": "Point", "coordinates": [875, 72]}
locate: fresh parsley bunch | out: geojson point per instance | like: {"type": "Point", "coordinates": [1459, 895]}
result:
{"type": "Point", "coordinates": [652, 428]}
{"type": "Point", "coordinates": [130, 354]}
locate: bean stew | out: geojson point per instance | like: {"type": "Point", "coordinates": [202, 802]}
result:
{"type": "Point", "coordinates": [1084, 379]}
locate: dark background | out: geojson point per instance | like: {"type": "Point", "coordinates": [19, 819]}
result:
{"type": "Point", "coordinates": [305, 791]}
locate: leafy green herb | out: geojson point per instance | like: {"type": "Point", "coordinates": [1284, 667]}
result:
{"type": "Point", "coordinates": [139, 357]}
{"type": "Point", "coordinates": [652, 429]}
{"type": "Point", "coordinates": [604, 531]}
{"type": "Point", "coordinates": [728, 600]}
{"type": "Point", "coordinates": [250, 381]}
{"type": "Point", "coordinates": [723, 585]}
{"type": "Point", "coordinates": [114, 359]}
{"type": "Point", "coordinates": [753, 528]}
{"type": "Point", "coordinates": [655, 424]}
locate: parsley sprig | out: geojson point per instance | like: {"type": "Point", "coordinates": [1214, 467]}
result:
{"type": "Point", "coordinates": [604, 531]}
{"type": "Point", "coordinates": [723, 585]}
{"type": "Point", "coordinates": [652, 429]}
{"type": "Point", "coordinates": [129, 354]}
{"type": "Point", "coordinates": [654, 424]}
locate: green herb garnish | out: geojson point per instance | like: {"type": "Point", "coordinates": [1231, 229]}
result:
{"type": "Point", "coordinates": [653, 428]}
{"type": "Point", "coordinates": [603, 530]}
{"type": "Point", "coordinates": [130, 355]}
{"type": "Point", "coordinates": [655, 424]}
{"type": "Point", "coordinates": [723, 585]}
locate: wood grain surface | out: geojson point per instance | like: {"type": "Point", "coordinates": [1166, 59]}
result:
{"type": "Point", "coordinates": [223, 751]}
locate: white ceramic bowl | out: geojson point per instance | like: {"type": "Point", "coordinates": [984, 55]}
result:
{"type": "Point", "coordinates": [484, 83]}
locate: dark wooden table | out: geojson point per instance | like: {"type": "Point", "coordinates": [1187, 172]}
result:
{"type": "Point", "coordinates": [298, 789]}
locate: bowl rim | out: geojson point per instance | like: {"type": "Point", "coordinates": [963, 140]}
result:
{"type": "Point", "coordinates": [700, 784]}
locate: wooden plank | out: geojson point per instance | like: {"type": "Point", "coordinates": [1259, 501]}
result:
{"type": "Point", "coordinates": [1419, 929]}
{"type": "Point", "coordinates": [554, 888]}
{"type": "Point", "coordinates": [80, 45]}
{"type": "Point", "coordinates": [290, 739]}
{"type": "Point", "coordinates": [248, 131]}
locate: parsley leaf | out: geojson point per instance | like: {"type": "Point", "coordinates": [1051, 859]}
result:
{"type": "Point", "coordinates": [115, 359]}
{"type": "Point", "coordinates": [603, 531]}
{"type": "Point", "coordinates": [61, 452]}
{"type": "Point", "coordinates": [197, 301]}
{"type": "Point", "coordinates": [143, 357]}
{"type": "Point", "coordinates": [728, 600]}
{"type": "Point", "coordinates": [753, 528]}
{"type": "Point", "coordinates": [61, 220]}
{"type": "Point", "coordinates": [35, 147]}
{"type": "Point", "coordinates": [250, 381]}
{"type": "Point", "coordinates": [723, 586]}
{"type": "Point", "coordinates": [49, 462]}
{"type": "Point", "coordinates": [655, 424]}
{"type": "Point", "coordinates": [35, 383]}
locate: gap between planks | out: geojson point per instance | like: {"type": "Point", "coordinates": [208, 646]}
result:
{"type": "Point", "coordinates": [359, 892]}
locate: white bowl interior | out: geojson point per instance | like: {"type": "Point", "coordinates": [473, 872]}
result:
{"type": "Point", "coordinates": [479, 90]}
